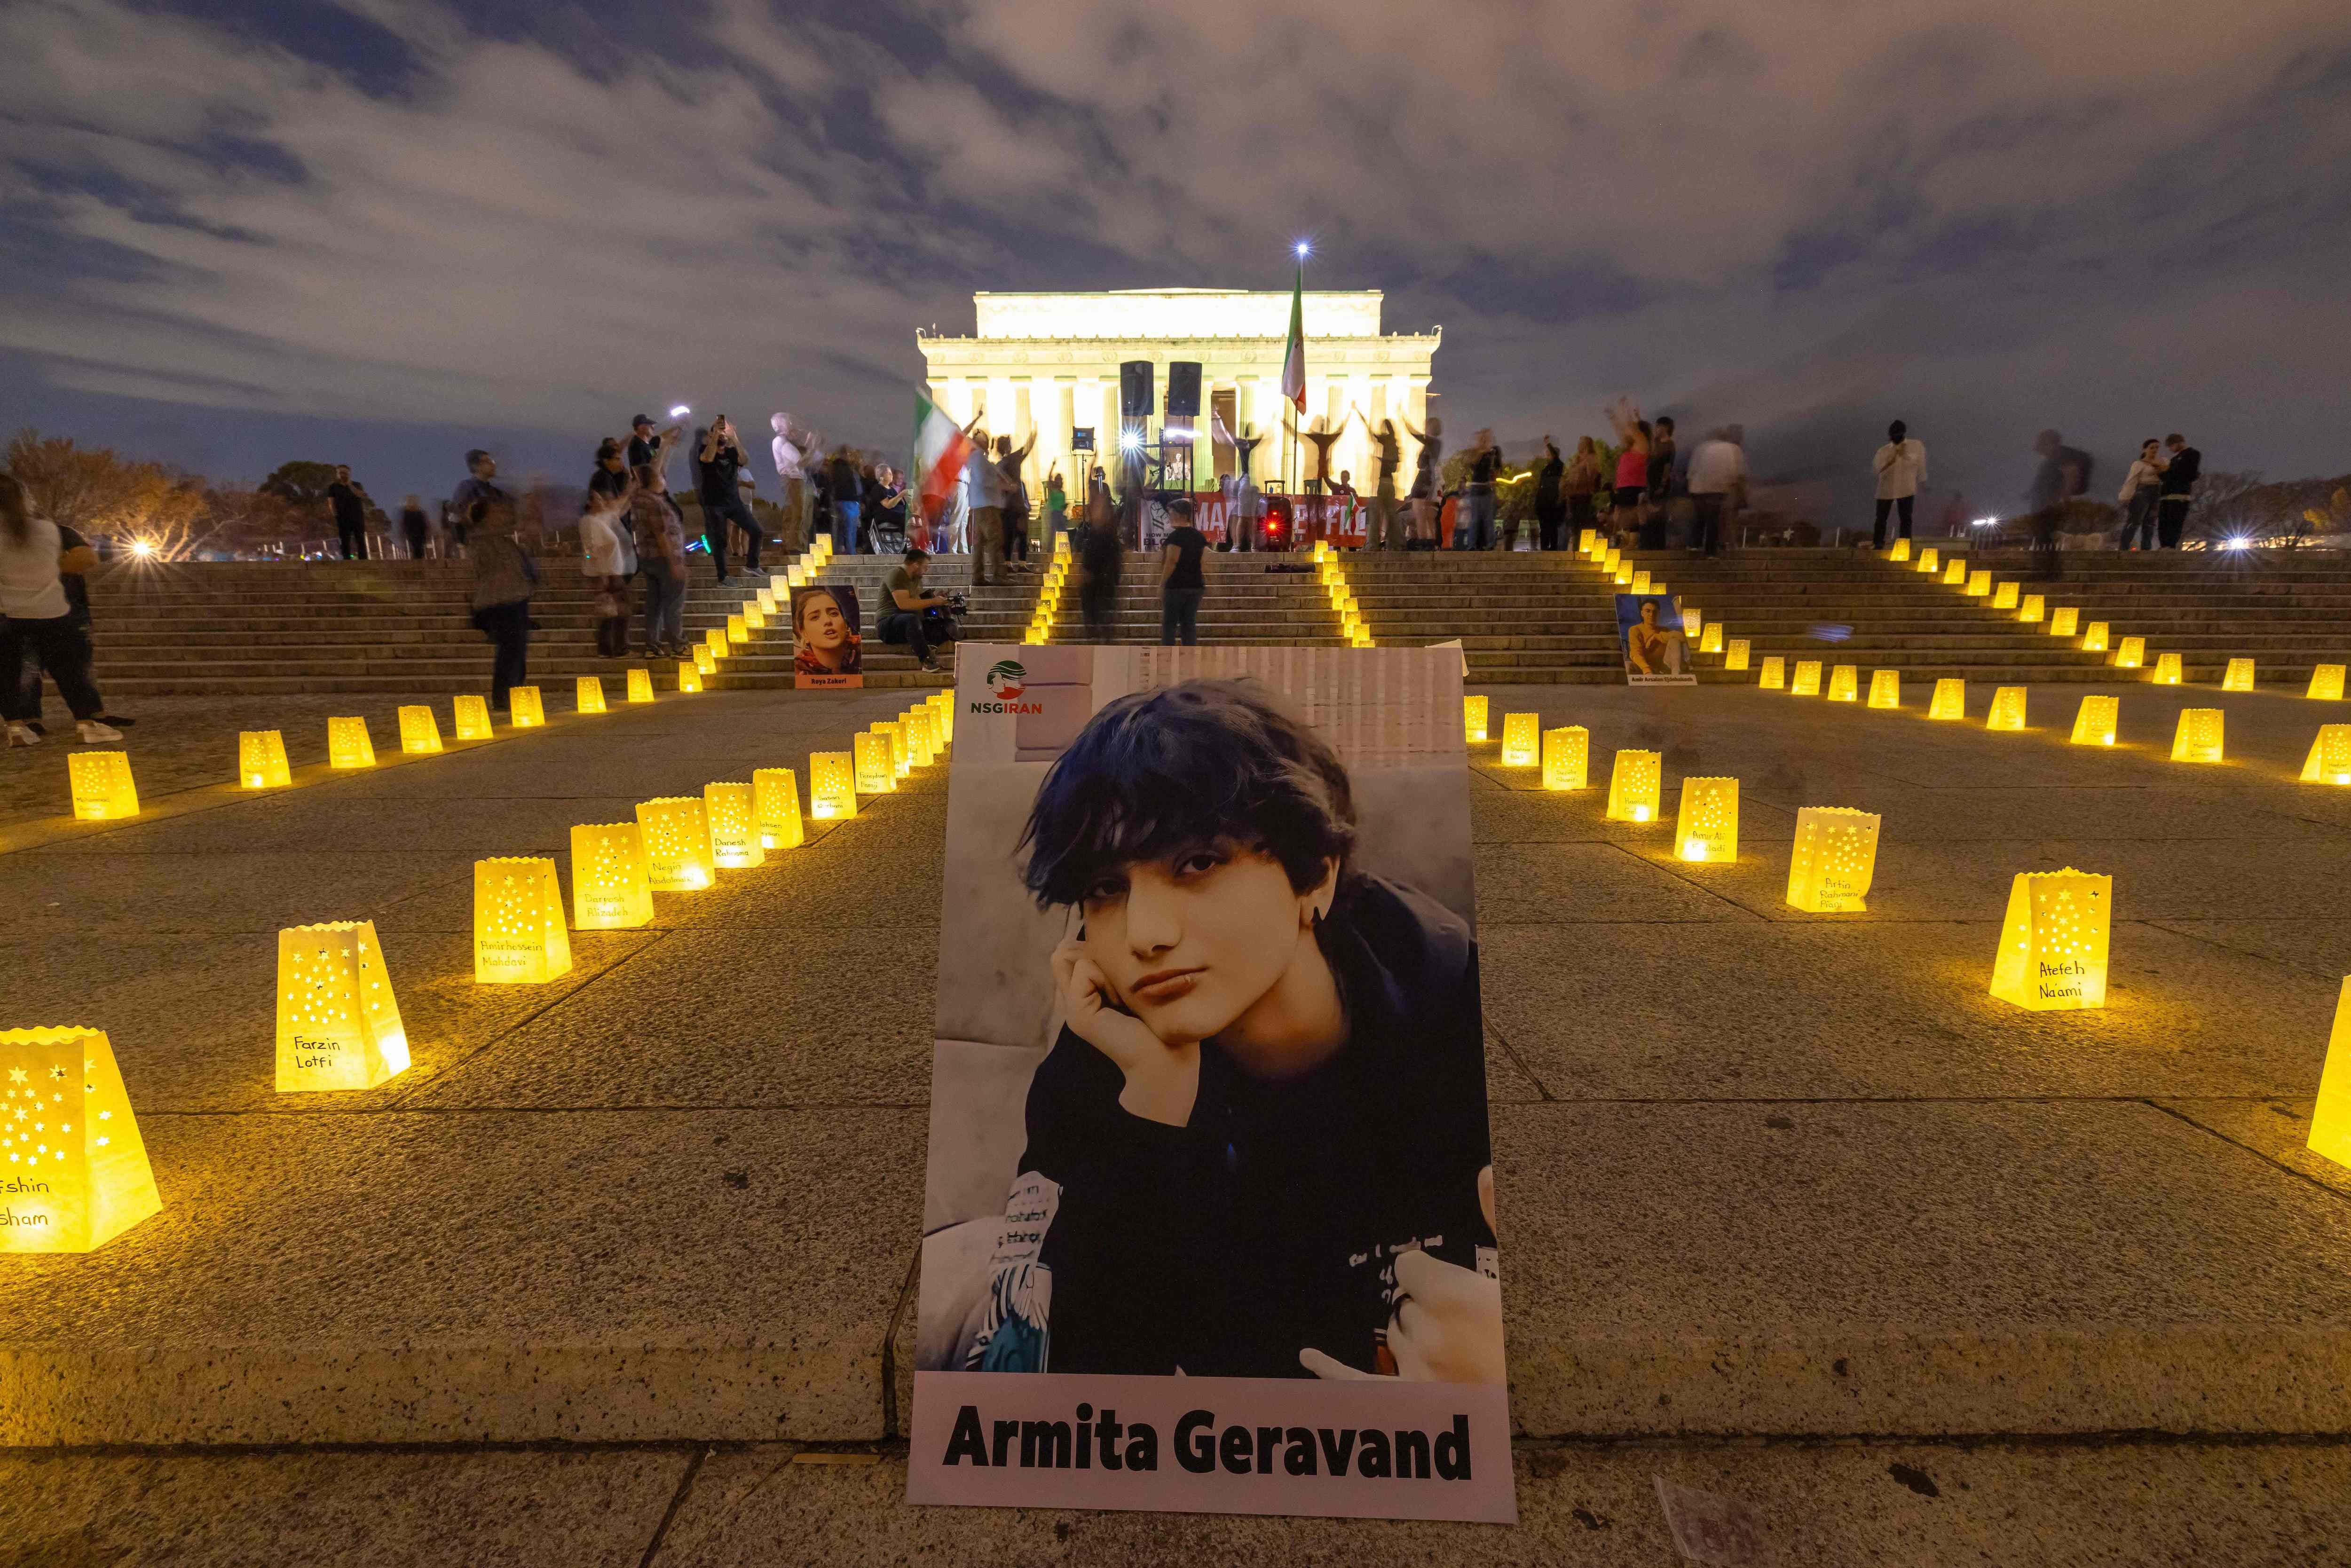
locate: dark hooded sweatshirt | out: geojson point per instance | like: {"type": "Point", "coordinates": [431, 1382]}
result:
{"type": "Point", "coordinates": [1268, 1224]}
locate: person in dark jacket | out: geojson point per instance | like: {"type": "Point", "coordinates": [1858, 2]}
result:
{"type": "Point", "coordinates": [717, 475]}
{"type": "Point", "coordinates": [1101, 562]}
{"type": "Point", "coordinates": [349, 502]}
{"type": "Point", "coordinates": [2183, 466]}
{"type": "Point", "coordinates": [1261, 1132]}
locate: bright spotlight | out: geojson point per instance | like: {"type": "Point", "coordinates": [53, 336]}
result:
{"type": "Point", "coordinates": [1132, 440]}
{"type": "Point", "coordinates": [144, 549]}
{"type": "Point", "coordinates": [2238, 544]}
{"type": "Point", "coordinates": [1305, 249]}
{"type": "Point", "coordinates": [1985, 523]}
{"type": "Point", "coordinates": [680, 411]}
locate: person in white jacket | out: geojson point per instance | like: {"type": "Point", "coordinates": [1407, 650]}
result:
{"type": "Point", "coordinates": [790, 450]}
{"type": "Point", "coordinates": [1901, 465]}
{"type": "Point", "coordinates": [608, 560]}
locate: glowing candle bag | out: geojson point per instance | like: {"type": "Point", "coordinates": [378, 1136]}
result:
{"type": "Point", "coordinates": [1735, 656]}
{"type": "Point", "coordinates": [676, 831]}
{"type": "Point", "coordinates": [2198, 737]}
{"type": "Point", "coordinates": [2239, 676]}
{"type": "Point", "coordinates": [1834, 858]}
{"type": "Point", "coordinates": [420, 732]}
{"type": "Point", "coordinates": [1901, 550]}
{"type": "Point", "coordinates": [706, 662]}
{"type": "Point", "coordinates": [519, 938]}
{"type": "Point", "coordinates": [1807, 682]}
{"type": "Point", "coordinates": [348, 744]}
{"type": "Point", "coordinates": [832, 786]}
{"type": "Point", "coordinates": [2330, 1120]}
{"type": "Point", "coordinates": [2330, 755]}
{"type": "Point", "coordinates": [590, 697]}
{"type": "Point", "coordinates": [1566, 756]}
{"type": "Point", "coordinates": [2327, 683]}
{"type": "Point", "coordinates": [2003, 596]}
{"type": "Point", "coordinates": [338, 1022]}
{"type": "Point", "coordinates": [901, 762]}
{"type": "Point", "coordinates": [735, 842]}
{"type": "Point", "coordinates": [1710, 639]}
{"type": "Point", "coordinates": [875, 774]}
{"type": "Point", "coordinates": [1634, 787]}
{"type": "Point", "coordinates": [640, 685]}
{"type": "Point", "coordinates": [2167, 670]}
{"type": "Point", "coordinates": [1844, 683]}
{"type": "Point", "coordinates": [2034, 606]}
{"type": "Point", "coordinates": [2063, 621]}
{"type": "Point", "coordinates": [1950, 701]}
{"type": "Point", "coordinates": [102, 787]}
{"type": "Point", "coordinates": [2094, 640]}
{"type": "Point", "coordinates": [2053, 945]}
{"type": "Point", "coordinates": [1473, 719]}
{"type": "Point", "coordinates": [611, 888]}
{"type": "Point", "coordinates": [1774, 675]}
{"type": "Point", "coordinates": [261, 760]}
{"type": "Point", "coordinates": [1955, 574]}
{"type": "Point", "coordinates": [1521, 739]}
{"type": "Point", "coordinates": [1708, 826]}
{"type": "Point", "coordinates": [529, 712]}
{"type": "Point", "coordinates": [1979, 584]}
{"type": "Point", "coordinates": [1885, 688]}
{"type": "Point", "coordinates": [2007, 708]}
{"type": "Point", "coordinates": [1930, 561]}
{"type": "Point", "coordinates": [2095, 722]}
{"type": "Point", "coordinates": [2132, 654]}
{"type": "Point", "coordinates": [775, 808]}
{"type": "Point", "coordinates": [689, 677]}
{"type": "Point", "coordinates": [472, 713]}
{"type": "Point", "coordinates": [73, 1169]}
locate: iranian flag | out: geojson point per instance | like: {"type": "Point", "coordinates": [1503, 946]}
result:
{"type": "Point", "coordinates": [941, 449]}
{"type": "Point", "coordinates": [1294, 358]}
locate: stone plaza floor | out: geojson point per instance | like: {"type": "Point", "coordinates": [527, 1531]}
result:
{"type": "Point", "coordinates": [621, 1270]}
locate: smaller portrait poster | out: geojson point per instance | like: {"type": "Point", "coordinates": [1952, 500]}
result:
{"type": "Point", "coordinates": [1649, 633]}
{"type": "Point", "coordinates": [827, 638]}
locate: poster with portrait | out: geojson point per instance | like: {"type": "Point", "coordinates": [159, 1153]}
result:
{"type": "Point", "coordinates": [1209, 1222]}
{"type": "Point", "coordinates": [1649, 635]}
{"type": "Point", "coordinates": [828, 639]}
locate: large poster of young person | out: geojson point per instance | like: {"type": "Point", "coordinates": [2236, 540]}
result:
{"type": "Point", "coordinates": [1209, 1216]}
{"type": "Point", "coordinates": [827, 638]}
{"type": "Point", "coordinates": [1656, 648]}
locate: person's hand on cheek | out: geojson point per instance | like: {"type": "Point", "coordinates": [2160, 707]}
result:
{"type": "Point", "coordinates": [1162, 1081]}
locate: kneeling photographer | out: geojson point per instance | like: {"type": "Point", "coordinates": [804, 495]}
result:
{"type": "Point", "coordinates": [912, 616]}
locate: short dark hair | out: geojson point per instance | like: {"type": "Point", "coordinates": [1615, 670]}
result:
{"type": "Point", "coordinates": [915, 553]}
{"type": "Point", "coordinates": [1158, 772]}
{"type": "Point", "coordinates": [1664, 422]}
{"type": "Point", "coordinates": [607, 447]}
{"type": "Point", "coordinates": [1897, 431]}
{"type": "Point", "coordinates": [1181, 506]}
{"type": "Point", "coordinates": [2175, 435]}
{"type": "Point", "coordinates": [473, 456]}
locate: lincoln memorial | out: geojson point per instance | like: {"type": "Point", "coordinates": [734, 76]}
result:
{"type": "Point", "coordinates": [1049, 363]}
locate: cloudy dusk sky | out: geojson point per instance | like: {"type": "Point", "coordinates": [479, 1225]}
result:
{"type": "Point", "coordinates": [245, 230]}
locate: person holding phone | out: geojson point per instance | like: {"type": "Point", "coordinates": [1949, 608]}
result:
{"type": "Point", "coordinates": [1259, 1145]}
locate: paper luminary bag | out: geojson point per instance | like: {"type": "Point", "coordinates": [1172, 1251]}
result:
{"type": "Point", "coordinates": [2239, 676]}
{"type": "Point", "coordinates": [1950, 700]}
{"type": "Point", "coordinates": [1634, 786]}
{"type": "Point", "coordinates": [2197, 738]}
{"type": "Point", "coordinates": [1774, 675]}
{"type": "Point", "coordinates": [922, 723]}
{"type": "Point", "coordinates": [943, 702]}
{"type": "Point", "coordinates": [901, 765]}
{"type": "Point", "coordinates": [1567, 756]}
{"type": "Point", "coordinates": [640, 685]}
{"type": "Point", "coordinates": [519, 938]}
{"type": "Point", "coordinates": [715, 640]}
{"type": "Point", "coordinates": [2094, 640]}
{"type": "Point", "coordinates": [2003, 596]}
{"type": "Point", "coordinates": [1734, 657]}
{"type": "Point", "coordinates": [2095, 722]}
{"type": "Point", "coordinates": [1624, 574]}
{"type": "Point", "coordinates": [1807, 682]}
{"type": "Point", "coordinates": [832, 786]}
{"type": "Point", "coordinates": [338, 1022]}
{"type": "Point", "coordinates": [766, 600]}
{"type": "Point", "coordinates": [529, 712]}
{"type": "Point", "coordinates": [676, 831]}
{"type": "Point", "coordinates": [102, 788]}
{"type": "Point", "coordinates": [1583, 541]}
{"type": "Point", "coordinates": [1707, 828]}
{"type": "Point", "coordinates": [1521, 739]}
{"type": "Point", "coordinates": [1885, 688]}
{"type": "Point", "coordinates": [754, 618]}
{"type": "Point", "coordinates": [1955, 574]}
{"type": "Point", "coordinates": [876, 776]}
{"type": "Point", "coordinates": [1834, 858]}
{"type": "Point", "coordinates": [1930, 559]}
{"type": "Point", "coordinates": [1710, 639]}
{"type": "Point", "coordinates": [2053, 945]}
{"type": "Point", "coordinates": [706, 662]}
{"type": "Point", "coordinates": [73, 1169]}
{"type": "Point", "coordinates": [2167, 670]}
{"type": "Point", "coordinates": [2007, 708]}
{"type": "Point", "coordinates": [1844, 683]}
{"type": "Point", "coordinates": [775, 809]}
{"type": "Point", "coordinates": [1473, 719]}
{"type": "Point", "coordinates": [2330, 755]}
{"type": "Point", "coordinates": [2330, 1119]}
{"type": "Point", "coordinates": [689, 677]}
{"type": "Point", "coordinates": [736, 633]}
{"type": "Point", "coordinates": [471, 712]}
{"type": "Point", "coordinates": [735, 841]}
{"type": "Point", "coordinates": [2131, 655]}
{"type": "Point", "coordinates": [1979, 584]}
{"type": "Point", "coordinates": [1901, 550]}
{"type": "Point", "coordinates": [2034, 608]}
{"type": "Point", "coordinates": [2064, 620]}
{"type": "Point", "coordinates": [420, 732]}
{"type": "Point", "coordinates": [612, 889]}
{"type": "Point", "coordinates": [591, 698]}
{"type": "Point", "coordinates": [261, 760]}
{"type": "Point", "coordinates": [1641, 582]}
{"type": "Point", "coordinates": [2326, 684]}
{"type": "Point", "coordinates": [348, 744]}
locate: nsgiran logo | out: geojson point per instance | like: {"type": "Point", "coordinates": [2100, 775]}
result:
{"type": "Point", "coordinates": [1008, 678]}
